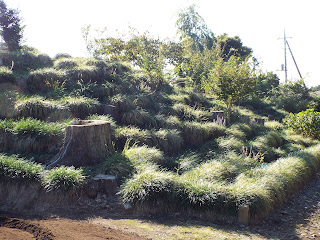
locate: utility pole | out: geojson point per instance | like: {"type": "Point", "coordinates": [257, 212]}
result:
{"type": "Point", "coordinates": [285, 56]}
{"type": "Point", "coordinates": [285, 66]}
{"type": "Point", "coordinates": [286, 43]}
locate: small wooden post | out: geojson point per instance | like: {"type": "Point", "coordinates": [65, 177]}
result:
{"type": "Point", "coordinates": [259, 121]}
{"type": "Point", "coordinates": [270, 117]}
{"type": "Point", "coordinates": [244, 215]}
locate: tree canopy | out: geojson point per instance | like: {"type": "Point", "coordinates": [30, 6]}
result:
{"type": "Point", "coordinates": [10, 27]}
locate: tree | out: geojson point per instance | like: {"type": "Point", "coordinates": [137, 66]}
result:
{"type": "Point", "coordinates": [266, 83]}
{"type": "Point", "coordinates": [10, 27]}
{"type": "Point", "coordinates": [233, 46]}
{"type": "Point", "coordinates": [292, 96]}
{"type": "Point", "coordinates": [231, 81]}
{"type": "Point", "coordinates": [191, 24]}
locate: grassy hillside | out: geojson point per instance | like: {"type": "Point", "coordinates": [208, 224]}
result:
{"type": "Point", "coordinates": [169, 154]}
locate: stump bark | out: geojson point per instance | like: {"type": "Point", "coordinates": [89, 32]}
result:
{"type": "Point", "coordinates": [86, 142]}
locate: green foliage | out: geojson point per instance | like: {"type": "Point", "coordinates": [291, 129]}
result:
{"type": "Point", "coordinates": [53, 110]}
{"type": "Point", "coordinates": [222, 185]}
{"type": "Point", "coordinates": [292, 96]}
{"type": "Point", "coordinates": [191, 25]}
{"type": "Point", "coordinates": [305, 122]}
{"type": "Point", "coordinates": [63, 178]}
{"type": "Point", "coordinates": [62, 55]}
{"type": "Point", "coordinates": [6, 75]}
{"type": "Point", "coordinates": [143, 158]}
{"type": "Point", "coordinates": [266, 83]}
{"type": "Point", "coordinates": [231, 81]}
{"type": "Point", "coordinates": [65, 63]}
{"type": "Point", "coordinates": [45, 79]}
{"type": "Point", "coordinates": [232, 47]}
{"type": "Point", "coordinates": [149, 188]}
{"type": "Point", "coordinates": [25, 60]}
{"type": "Point", "coordinates": [19, 168]}
{"type": "Point", "coordinates": [11, 29]}
{"type": "Point", "coordinates": [32, 127]}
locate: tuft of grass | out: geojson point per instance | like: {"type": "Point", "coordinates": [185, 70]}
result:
{"type": "Point", "coordinates": [19, 168]}
{"type": "Point", "coordinates": [6, 75]}
{"type": "Point", "coordinates": [66, 63]}
{"type": "Point", "coordinates": [143, 158]}
{"type": "Point", "coordinates": [53, 110]}
{"type": "Point", "coordinates": [45, 79]}
{"type": "Point", "coordinates": [195, 133]}
{"type": "Point", "coordinates": [149, 188]}
{"type": "Point", "coordinates": [168, 141]}
{"type": "Point", "coordinates": [140, 118]}
{"type": "Point", "coordinates": [63, 178]}
{"type": "Point", "coordinates": [230, 143]}
{"type": "Point", "coordinates": [32, 127]}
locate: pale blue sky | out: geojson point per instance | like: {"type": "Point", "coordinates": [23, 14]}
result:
{"type": "Point", "coordinates": [55, 26]}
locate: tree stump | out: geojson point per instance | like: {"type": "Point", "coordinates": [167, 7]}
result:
{"type": "Point", "coordinates": [86, 142]}
{"type": "Point", "coordinates": [245, 119]}
{"type": "Point", "coordinates": [259, 121]}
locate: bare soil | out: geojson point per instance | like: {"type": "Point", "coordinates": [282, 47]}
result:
{"type": "Point", "coordinates": [298, 219]}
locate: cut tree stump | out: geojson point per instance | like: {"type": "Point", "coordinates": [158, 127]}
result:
{"type": "Point", "coordinates": [86, 143]}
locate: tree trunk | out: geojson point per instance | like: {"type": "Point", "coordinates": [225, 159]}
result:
{"type": "Point", "coordinates": [86, 142]}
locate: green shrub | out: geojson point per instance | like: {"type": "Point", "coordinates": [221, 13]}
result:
{"type": "Point", "coordinates": [6, 75]}
{"type": "Point", "coordinates": [96, 63]}
{"type": "Point", "coordinates": [116, 164]}
{"type": "Point", "coordinates": [306, 123]}
{"type": "Point", "coordinates": [52, 110]}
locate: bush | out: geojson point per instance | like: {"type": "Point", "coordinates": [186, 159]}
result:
{"type": "Point", "coordinates": [306, 123]}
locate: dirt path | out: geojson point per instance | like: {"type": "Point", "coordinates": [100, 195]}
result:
{"type": "Point", "coordinates": [298, 219]}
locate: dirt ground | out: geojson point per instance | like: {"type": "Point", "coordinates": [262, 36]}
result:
{"type": "Point", "coordinates": [298, 219]}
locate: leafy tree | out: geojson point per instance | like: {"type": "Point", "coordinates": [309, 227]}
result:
{"type": "Point", "coordinates": [142, 50]}
{"type": "Point", "coordinates": [191, 25]}
{"type": "Point", "coordinates": [265, 83]}
{"type": "Point", "coordinates": [231, 81]}
{"type": "Point", "coordinates": [292, 96]}
{"type": "Point", "coordinates": [10, 27]}
{"type": "Point", "coordinates": [233, 46]}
